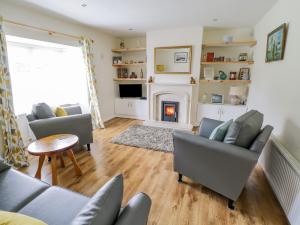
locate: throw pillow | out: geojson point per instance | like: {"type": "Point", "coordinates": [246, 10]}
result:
{"type": "Point", "coordinates": [103, 208]}
{"type": "Point", "coordinates": [244, 129]}
{"type": "Point", "coordinates": [3, 165]}
{"type": "Point", "coordinates": [9, 218]}
{"type": "Point", "coordinates": [218, 134]}
{"type": "Point", "coordinates": [42, 111]}
{"type": "Point", "coordinates": [60, 111]}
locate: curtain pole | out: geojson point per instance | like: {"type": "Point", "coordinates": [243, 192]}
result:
{"type": "Point", "coordinates": [50, 32]}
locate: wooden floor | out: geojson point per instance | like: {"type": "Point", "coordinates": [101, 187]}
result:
{"type": "Point", "coordinates": [152, 172]}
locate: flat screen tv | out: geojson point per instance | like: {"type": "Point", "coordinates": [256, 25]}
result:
{"type": "Point", "coordinates": [130, 90]}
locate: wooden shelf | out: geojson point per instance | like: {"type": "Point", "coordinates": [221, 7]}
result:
{"type": "Point", "coordinates": [231, 44]}
{"type": "Point", "coordinates": [228, 63]}
{"type": "Point", "coordinates": [129, 64]}
{"type": "Point", "coordinates": [120, 50]}
{"type": "Point", "coordinates": [130, 79]}
{"type": "Point", "coordinates": [226, 81]}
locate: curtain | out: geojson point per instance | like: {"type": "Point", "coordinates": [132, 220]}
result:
{"type": "Point", "coordinates": [13, 147]}
{"type": "Point", "coordinates": [91, 80]}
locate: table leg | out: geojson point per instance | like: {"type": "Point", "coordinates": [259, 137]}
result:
{"type": "Point", "coordinates": [54, 170]}
{"type": "Point", "coordinates": [38, 173]}
{"type": "Point", "coordinates": [62, 162]}
{"type": "Point", "coordinates": [73, 159]}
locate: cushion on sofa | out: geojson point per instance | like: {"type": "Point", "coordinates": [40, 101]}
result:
{"type": "Point", "coordinates": [55, 206]}
{"type": "Point", "coordinates": [103, 208]}
{"type": "Point", "coordinates": [244, 129]}
{"type": "Point", "coordinates": [42, 111]}
{"type": "Point", "coordinates": [3, 165]}
{"type": "Point", "coordinates": [60, 111]}
{"type": "Point", "coordinates": [261, 139]}
{"type": "Point", "coordinates": [220, 131]}
{"type": "Point", "coordinates": [9, 218]}
{"type": "Point", "coordinates": [18, 189]}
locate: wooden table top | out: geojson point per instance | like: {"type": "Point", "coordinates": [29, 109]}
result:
{"type": "Point", "coordinates": [52, 144]}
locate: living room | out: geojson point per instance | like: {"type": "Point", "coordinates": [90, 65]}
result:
{"type": "Point", "coordinates": [149, 112]}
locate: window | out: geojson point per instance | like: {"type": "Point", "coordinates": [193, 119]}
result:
{"type": "Point", "coordinates": [45, 72]}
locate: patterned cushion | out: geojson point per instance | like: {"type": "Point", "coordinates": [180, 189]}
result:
{"type": "Point", "coordinates": [244, 129]}
{"type": "Point", "coordinates": [220, 131]}
{"type": "Point", "coordinates": [42, 111]}
{"type": "Point", "coordinates": [60, 111]}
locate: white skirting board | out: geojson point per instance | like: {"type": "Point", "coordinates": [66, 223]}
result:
{"type": "Point", "coordinates": [283, 173]}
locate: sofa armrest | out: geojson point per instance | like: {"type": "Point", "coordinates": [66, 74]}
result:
{"type": "Point", "coordinates": [80, 125]}
{"type": "Point", "coordinates": [136, 212]}
{"type": "Point", "coordinates": [207, 126]}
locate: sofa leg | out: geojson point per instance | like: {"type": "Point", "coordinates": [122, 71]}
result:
{"type": "Point", "coordinates": [88, 147]}
{"type": "Point", "coordinates": [231, 204]}
{"type": "Point", "coordinates": [179, 177]}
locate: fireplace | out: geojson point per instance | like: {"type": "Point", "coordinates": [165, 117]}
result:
{"type": "Point", "coordinates": [169, 111]}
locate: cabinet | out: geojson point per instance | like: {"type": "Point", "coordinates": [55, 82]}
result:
{"type": "Point", "coordinates": [220, 112]}
{"type": "Point", "coordinates": [131, 108]}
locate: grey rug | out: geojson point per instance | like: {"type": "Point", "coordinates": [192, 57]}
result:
{"type": "Point", "coordinates": [148, 137]}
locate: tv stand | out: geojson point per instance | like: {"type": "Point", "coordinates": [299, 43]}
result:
{"type": "Point", "coordinates": [135, 108]}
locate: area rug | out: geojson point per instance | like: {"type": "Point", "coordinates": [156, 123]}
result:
{"type": "Point", "coordinates": [147, 137]}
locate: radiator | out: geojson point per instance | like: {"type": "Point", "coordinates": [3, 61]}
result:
{"type": "Point", "coordinates": [283, 173]}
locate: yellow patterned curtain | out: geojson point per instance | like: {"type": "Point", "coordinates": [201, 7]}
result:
{"type": "Point", "coordinates": [91, 80]}
{"type": "Point", "coordinates": [13, 147]}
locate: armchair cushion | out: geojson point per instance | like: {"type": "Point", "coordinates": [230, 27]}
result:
{"type": "Point", "coordinates": [261, 139]}
{"type": "Point", "coordinates": [207, 126]}
{"type": "Point", "coordinates": [220, 131]}
{"type": "Point", "coordinates": [60, 111]}
{"type": "Point", "coordinates": [104, 207]}
{"type": "Point", "coordinates": [3, 165]}
{"type": "Point", "coordinates": [244, 129]}
{"type": "Point", "coordinates": [42, 111]}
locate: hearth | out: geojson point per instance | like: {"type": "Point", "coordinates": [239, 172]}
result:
{"type": "Point", "coordinates": [169, 111]}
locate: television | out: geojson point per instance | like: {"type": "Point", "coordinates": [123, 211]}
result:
{"type": "Point", "coordinates": [130, 90]}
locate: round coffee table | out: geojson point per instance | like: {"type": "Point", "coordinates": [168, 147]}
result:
{"type": "Point", "coordinates": [54, 146]}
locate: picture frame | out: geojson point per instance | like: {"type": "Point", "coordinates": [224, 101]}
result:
{"type": "Point", "coordinates": [244, 73]}
{"type": "Point", "coordinates": [209, 73]}
{"type": "Point", "coordinates": [217, 99]}
{"type": "Point", "coordinates": [276, 44]}
{"type": "Point", "coordinates": [181, 57]}
{"type": "Point", "coordinates": [117, 60]}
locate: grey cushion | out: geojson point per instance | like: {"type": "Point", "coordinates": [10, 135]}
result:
{"type": "Point", "coordinates": [18, 189]}
{"type": "Point", "coordinates": [3, 165]}
{"type": "Point", "coordinates": [136, 211]}
{"type": "Point", "coordinates": [103, 208]}
{"type": "Point", "coordinates": [207, 126]}
{"type": "Point", "coordinates": [55, 206]}
{"type": "Point", "coordinates": [244, 129]}
{"type": "Point", "coordinates": [220, 131]}
{"type": "Point", "coordinates": [72, 109]}
{"type": "Point", "coordinates": [42, 111]}
{"type": "Point", "coordinates": [261, 139]}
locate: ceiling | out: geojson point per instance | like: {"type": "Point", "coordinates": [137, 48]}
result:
{"type": "Point", "coordinates": [117, 16]}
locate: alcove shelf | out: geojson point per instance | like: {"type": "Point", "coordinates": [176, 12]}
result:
{"type": "Point", "coordinates": [120, 50]}
{"type": "Point", "coordinates": [130, 79]}
{"type": "Point", "coordinates": [226, 81]}
{"type": "Point", "coordinates": [128, 64]}
{"type": "Point", "coordinates": [228, 63]}
{"type": "Point", "coordinates": [231, 44]}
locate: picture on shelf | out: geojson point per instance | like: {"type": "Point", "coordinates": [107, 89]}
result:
{"type": "Point", "coordinates": [276, 44]}
{"type": "Point", "coordinates": [181, 57]}
{"type": "Point", "coordinates": [117, 60]}
{"type": "Point", "coordinates": [217, 99]}
{"type": "Point", "coordinates": [244, 74]}
{"type": "Point", "coordinates": [209, 73]}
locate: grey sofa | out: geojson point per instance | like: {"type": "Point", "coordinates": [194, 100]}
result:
{"type": "Point", "coordinates": [75, 123]}
{"type": "Point", "coordinates": [223, 167]}
{"type": "Point", "coordinates": [57, 206]}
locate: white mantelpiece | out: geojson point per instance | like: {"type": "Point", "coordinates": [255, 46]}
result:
{"type": "Point", "coordinates": [185, 94]}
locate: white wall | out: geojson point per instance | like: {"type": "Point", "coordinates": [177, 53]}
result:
{"type": "Point", "coordinates": [175, 37]}
{"type": "Point", "coordinates": [102, 46]}
{"type": "Point", "coordinates": [275, 88]}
